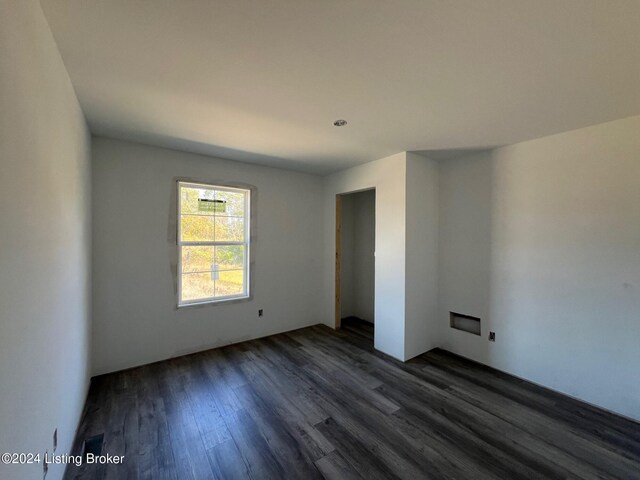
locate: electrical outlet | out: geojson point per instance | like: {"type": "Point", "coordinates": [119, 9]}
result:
{"type": "Point", "coordinates": [55, 439]}
{"type": "Point", "coordinates": [492, 336]}
{"type": "Point", "coordinates": [260, 312]}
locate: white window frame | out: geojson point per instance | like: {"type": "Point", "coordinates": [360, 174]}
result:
{"type": "Point", "coordinates": [246, 243]}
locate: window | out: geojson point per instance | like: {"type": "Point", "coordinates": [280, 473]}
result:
{"type": "Point", "coordinates": [213, 243]}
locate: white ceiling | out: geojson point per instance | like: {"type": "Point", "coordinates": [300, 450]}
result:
{"type": "Point", "coordinates": [263, 80]}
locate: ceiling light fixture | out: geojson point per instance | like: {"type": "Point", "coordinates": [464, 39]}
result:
{"type": "Point", "coordinates": [340, 123]}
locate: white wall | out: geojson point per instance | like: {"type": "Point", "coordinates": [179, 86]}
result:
{"type": "Point", "coordinates": [422, 331]}
{"type": "Point", "coordinates": [388, 177]}
{"type": "Point", "coordinates": [135, 316]}
{"type": "Point", "coordinates": [465, 249]}
{"type": "Point", "coordinates": [357, 268]}
{"type": "Point", "coordinates": [542, 240]}
{"type": "Point", "coordinates": [44, 243]}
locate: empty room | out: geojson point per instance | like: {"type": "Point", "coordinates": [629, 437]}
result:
{"type": "Point", "coordinates": [306, 239]}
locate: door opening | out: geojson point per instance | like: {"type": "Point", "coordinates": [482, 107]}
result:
{"type": "Point", "coordinates": [355, 259]}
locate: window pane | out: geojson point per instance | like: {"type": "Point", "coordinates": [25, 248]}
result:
{"type": "Point", "coordinates": [229, 229]}
{"type": "Point", "coordinates": [197, 200]}
{"type": "Point", "coordinates": [197, 228]}
{"type": "Point", "coordinates": [206, 259]}
{"type": "Point", "coordinates": [197, 285]}
{"type": "Point", "coordinates": [197, 259]}
{"type": "Point", "coordinates": [233, 203]}
{"type": "Point", "coordinates": [222, 283]}
{"type": "Point", "coordinates": [230, 257]}
{"type": "Point", "coordinates": [230, 282]}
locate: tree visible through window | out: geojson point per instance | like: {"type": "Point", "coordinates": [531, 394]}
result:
{"type": "Point", "coordinates": [213, 243]}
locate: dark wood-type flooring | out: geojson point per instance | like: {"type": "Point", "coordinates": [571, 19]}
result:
{"type": "Point", "coordinates": [315, 403]}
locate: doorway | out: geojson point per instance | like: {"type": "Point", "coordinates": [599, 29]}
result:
{"type": "Point", "coordinates": [355, 258]}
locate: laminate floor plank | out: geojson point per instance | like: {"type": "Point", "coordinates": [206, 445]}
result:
{"type": "Point", "coordinates": [187, 446]}
{"type": "Point", "coordinates": [284, 378]}
{"type": "Point", "coordinates": [334, 467]}
{"type": "Point", "coordinates": [288, 449]}
{"type": "Point", "coordinates": [319, 403]}
{"type": "Point", "coordinates": [545, 429]}
{"type": "Point", "coordinates": [562, 409]}
{"type": "Point", "coordinates": [362, 459]}
{"type": "Point", "coordinates": [257, 456]}
{"type": "Point", "coordinates": [292, 418]}
{"type": "Point", "coordinates": [488, 441]}
{"type": "Point", "coordinates": [157, 460]}
{"type": "Point", "coordinates": [210, 422]}
{"type": "Point", "coordinates": [376, 432]}
{"type": "Point", "coordinates": [227, 462]}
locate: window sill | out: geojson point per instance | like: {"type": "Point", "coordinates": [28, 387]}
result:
{"type": "Point", "coordinates": [222, 301]}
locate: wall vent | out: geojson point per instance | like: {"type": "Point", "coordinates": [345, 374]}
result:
{"type": "Point", "coordinates": [466, 323]}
